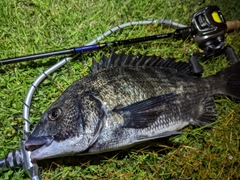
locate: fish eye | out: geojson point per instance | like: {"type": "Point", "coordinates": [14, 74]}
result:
{"type": "Point", "coordinates": [54, 114]}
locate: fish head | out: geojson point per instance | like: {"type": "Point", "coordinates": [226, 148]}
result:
{"type": "Point", "coordinates": [68, 127]}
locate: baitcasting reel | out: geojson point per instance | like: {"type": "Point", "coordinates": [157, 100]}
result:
{"type": "Point", "coordinates": [210, 27]}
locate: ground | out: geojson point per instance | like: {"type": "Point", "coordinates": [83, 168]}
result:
{"type": "Point", "coordinates": [35, 26]}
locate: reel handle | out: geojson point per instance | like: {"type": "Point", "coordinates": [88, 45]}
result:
{"type": "Point", "coordinates": [230, 54]}
{"type": "Point", "coordinates": [233, 25]}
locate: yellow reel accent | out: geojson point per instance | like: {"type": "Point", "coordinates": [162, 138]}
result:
{"type": "Point", "coordinates": [216, 17]}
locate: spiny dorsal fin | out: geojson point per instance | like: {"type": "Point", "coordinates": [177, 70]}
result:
{"type": "Point", "coordinates": [123, 59]}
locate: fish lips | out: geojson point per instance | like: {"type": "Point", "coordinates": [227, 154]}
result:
{"type": "Point", "coordinates": [34, 143]}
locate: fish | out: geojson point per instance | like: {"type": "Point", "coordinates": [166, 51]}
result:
{"type": "Point", "coordinates": [127, 100]}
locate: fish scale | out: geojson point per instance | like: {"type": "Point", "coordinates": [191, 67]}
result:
{"type": "Point", "coordinates": [138, 87]}
{"type": "Point", "coordinates": [128, 100]}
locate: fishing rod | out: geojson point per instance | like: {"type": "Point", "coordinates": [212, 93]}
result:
{"type": "Point", "coordinates": [179, 33]}
{"type": "Point", "coordinates": [208, 29]}
{"type": "Point", "coordinates": [104, 35]}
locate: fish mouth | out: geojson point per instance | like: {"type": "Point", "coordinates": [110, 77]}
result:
{"type": "Point", "coordinates": [34, 143]}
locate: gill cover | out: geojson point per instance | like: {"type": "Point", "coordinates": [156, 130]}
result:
{"type": "Point", "coordinates": [66, 127]}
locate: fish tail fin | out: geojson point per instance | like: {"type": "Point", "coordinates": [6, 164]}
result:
{"type": "Point", "coordinates": [231, 79]}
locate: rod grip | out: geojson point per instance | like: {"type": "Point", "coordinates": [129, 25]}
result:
{"type": "Point", "coordinates": [233, 25]}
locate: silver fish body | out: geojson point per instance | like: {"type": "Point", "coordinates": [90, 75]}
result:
{"type": "Point", "coordinates": [128, 100]}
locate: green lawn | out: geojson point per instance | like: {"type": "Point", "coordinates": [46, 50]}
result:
{"type": "Point", "coordinates": [33, 26]}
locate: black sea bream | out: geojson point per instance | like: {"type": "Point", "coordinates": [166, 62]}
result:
{"type": "Point", "coordinates": [127, 100]}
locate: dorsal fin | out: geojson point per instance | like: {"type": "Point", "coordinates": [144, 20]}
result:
{"type": "Point", "coordinates": [123, 59]}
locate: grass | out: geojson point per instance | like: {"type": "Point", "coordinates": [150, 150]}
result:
{"type": "Point", "coordinates": [34, 26]}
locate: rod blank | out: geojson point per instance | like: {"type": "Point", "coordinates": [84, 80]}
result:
{"type": "Point", "coordinates": [83, 48]}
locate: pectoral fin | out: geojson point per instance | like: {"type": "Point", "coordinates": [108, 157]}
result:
{"type": "Point", "coordinates": [143, 113]}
